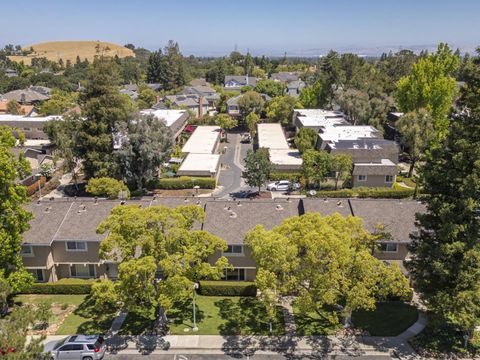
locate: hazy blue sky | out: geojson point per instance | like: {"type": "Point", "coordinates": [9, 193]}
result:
{"type": "Point", "coordinates": [215, 26]}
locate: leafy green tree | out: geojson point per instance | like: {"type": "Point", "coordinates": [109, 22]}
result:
{"type": "Point", "coordinates": [13, 217]}
{"type": "Point", "coordinates": [13, 107]}
{"type": "Point", "coordinates": [257, 168]}
{"type": "Point", "coordinates": [354, 103]}
{"type": "Point", "coordinates": [146, 98]}
{"type": "Point", "coordinates": [5, 292]}
{"type": "Point", "coordinates": [108, 187]}
{"type": "Point", "coordinates": [416, 129]}
{"type": "Point", "coordinates": [105, 112]}
{"type": "Point", "coordinates": [145, 240]}
{"type": "Point", "coordinates": [105, 297]}
{"type": "Point", "coordinates": [248, 64]}
{"type": "Point", "coordinates": [251, 101]}
{"type": "Point", "coordinates": [316, 166]}
{"type": "Point", "coordinates": [147, 146]}
{"type": "Point", "coordinates": [470, 92]}
{"type": "Point", "coordinates": [225, 122]}
{"type": "Point", "coordinates": [306, 139]}
{"type": "Point", "coordinates": [431, 86]}
{"type": "Point", "coordinates": [341, 165]}
{"type": "Point", "coordinates": [63, 134]}
{"type": "Point", "coordinates": [59, 102]}
{"type": "Point", "coordinates": [13, 335]}
{"type": "Point", "coordinates": [252, 120]}
{"type": "Point", "coordinates": [445, 251]}
{"type": "Point", "coordinates": [327, 261]}
{"type": "Point", "coordinates": [270, 87]}
{"type": "Point", "coordinates": [280, 109]}
{"type": "Point", "coordinates": [315, 96]}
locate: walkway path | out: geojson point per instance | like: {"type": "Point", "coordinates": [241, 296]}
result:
{"type": "Point", "coordinates": [290, 326]}
{"type": "Point", "coordinates": [288, 344]}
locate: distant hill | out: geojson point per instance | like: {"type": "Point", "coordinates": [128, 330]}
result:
{"type": "Point", "coordinates": [69, 50]}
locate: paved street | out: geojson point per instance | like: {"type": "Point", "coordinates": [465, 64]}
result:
{"type": "Point", "coordinates": [232, 165]}
{"type": "Point", "coordinates": [226, 357]}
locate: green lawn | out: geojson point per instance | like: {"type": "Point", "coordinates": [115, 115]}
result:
{"type": "Point", "coordinates": [216, 315]}
{"type": "Point", "coordinates": [314, 324]}
{"type": "Point", "coordinates": [81, 321]}
{"type": "Point", "coordinates": [388, 319]}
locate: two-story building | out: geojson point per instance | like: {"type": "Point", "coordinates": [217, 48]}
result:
{"type": "Point", "coordinates": [62, 241]}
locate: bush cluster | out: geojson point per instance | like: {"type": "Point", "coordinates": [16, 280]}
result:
{"type": "Point", "coordinates": [185, 182]}
{"type": "Point", "coordinates": [63, 286]}
{"type": "Point", "coordinates": [227, 288]}
{"type": "Point", "coordinates": [374, 193]}
{"type": "Point", "coordinates": [290, 176]}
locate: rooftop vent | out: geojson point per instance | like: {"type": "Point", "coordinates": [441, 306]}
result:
{"type": "Point", "coordinates": [325, 200]}
{"type": "Point", "coordinates": [233, 214]}
{"type": "Point", "coordinates": [185, 200]}
{"type": "Point", "coordinates": [339, 204]}
{"type": "Point", "coordinates": [52, 198]}
{"type": "Point", "coordinates": [239, 203]}
{"type": "Point", "coordinates": [47, 209]}
{"type": "Point", "coordinates": [39, 202]}
{"type": "Point", "coordinates": [123, 202]}
{"type": "Point", "coordinates": [279, 207]}
{"type": "Point", "coordinates": [95, 202]}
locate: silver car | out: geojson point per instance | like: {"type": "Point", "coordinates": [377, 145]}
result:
{"type": "Point", "coordinates": [282, 185]}
{"type": "Point", "coordinates": [78, 347]}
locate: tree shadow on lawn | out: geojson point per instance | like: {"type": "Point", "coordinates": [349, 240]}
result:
{"type": "Point", "coordinates": [95, 323]}
{"type": "Point", "coordinates": [181, 314]}
{"type": "Point", "coordinates": [248, 316]}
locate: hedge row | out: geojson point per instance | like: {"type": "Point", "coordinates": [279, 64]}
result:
{"type": "Point", "coordinates": [227, 288]}
{"type": "Point", "coordinates": [185, 182]}
{"type": "Point", "coordinates": [290, 176]}
{"type": "Point", "coordinates": [63, 286]}
{"type": "Point", "coordinates": [375, 193]}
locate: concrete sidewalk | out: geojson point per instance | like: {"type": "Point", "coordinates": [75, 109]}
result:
{"type": "Point", "coordinates": [320, 345]}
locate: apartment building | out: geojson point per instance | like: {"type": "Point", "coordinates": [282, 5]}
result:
{"type": "Point", "coordinates": [62, 241]}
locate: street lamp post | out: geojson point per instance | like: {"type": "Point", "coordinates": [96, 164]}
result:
{"type": "Point", "coordinates": [195, 328]}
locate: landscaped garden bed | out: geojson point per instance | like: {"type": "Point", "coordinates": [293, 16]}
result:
{"type": "Point", "coordinates": [71, 314]}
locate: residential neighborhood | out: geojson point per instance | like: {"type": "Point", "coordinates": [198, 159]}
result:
{"type": "Point", "coordinates": [306, 191]}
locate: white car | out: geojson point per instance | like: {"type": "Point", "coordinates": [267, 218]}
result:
{"type": "Point", "coordinates": [78, 347]}
{"type": "Point", "coordinates": [282, 185]}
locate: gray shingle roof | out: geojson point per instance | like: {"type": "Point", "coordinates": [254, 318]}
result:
{"type": "Point", "coordinates": [67, 219]}
{"type": "Point", "coordinates": [220, 221]}
{"type": "Point", "coordinates": [398, 216]}
{"type": "Point", "coordinates": [25, 96]}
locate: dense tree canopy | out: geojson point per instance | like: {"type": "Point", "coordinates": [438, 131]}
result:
{"type": "Point", "coordinates": [257, 168]}
{"type": "Point", "coordinates": [446, 253]}
{"type": "Point", "coordinates": [145, 240]}
{"type": "Point", "coordinates": [13, 217]}
{"type": "Point", "coordinates": [327, 261]}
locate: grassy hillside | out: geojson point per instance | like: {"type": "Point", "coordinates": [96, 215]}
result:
{"type": "Point", "coordinates": [68, 50]}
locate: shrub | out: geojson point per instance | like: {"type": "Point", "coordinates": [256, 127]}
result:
{"type": "Point", "coordinates": [63, 286]}
{"type": "Point", "coordinates": [107, 187]}
{"type": "Point", "coordinates": [293, 176]}
{"type": "Point", "coordinates": [228, 288]}
{"type": "Point", "coordinates": [343, 193]}
{"type": "Point", "coordinates": [384, 193]}
{"type": "Point", "coordinates": [185, 182]}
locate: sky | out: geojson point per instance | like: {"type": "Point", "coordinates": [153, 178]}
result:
{"type": "Point", "coordinates": [271, 27]}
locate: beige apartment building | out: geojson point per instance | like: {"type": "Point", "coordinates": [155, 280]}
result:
{"type": "Point", "coordinates": [62, 241]}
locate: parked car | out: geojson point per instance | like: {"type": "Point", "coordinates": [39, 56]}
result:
{"type": "Point", "coordinates": [246, 139]}
{"type": "Point", "coordinates": [282, 185]}
{"type": "Point", "coordinates": [78, 347]}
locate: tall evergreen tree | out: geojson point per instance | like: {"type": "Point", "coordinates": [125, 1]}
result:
{"type": "Point", "coordinates": [105, 113]}
{"type": "Point", "coordinates": [167, 68]}
{"type": "Point", "coordinates": [13, 217]}
{"type": "Point", "coordinates": [446, 251]}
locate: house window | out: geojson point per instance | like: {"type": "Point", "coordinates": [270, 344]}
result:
{"type": "Point", "coordinates": [27, 251]}
{"type": "Point", "coordinates": [82, 271]}
{"type": "Point", "coordinates": [38, 274]}
{"type": "Point", "coordinates": [389, 247]}
{"type": "Point", "coordinates": [234, 275]}
{"type": "Point", "coordinates": [362, 177]}
{"type": "Point", "coordinates": [234, 250]}
{"type": "Point", "coordinates": [76, 246]}
{"type": "Point", "coordinates": [388, 178]}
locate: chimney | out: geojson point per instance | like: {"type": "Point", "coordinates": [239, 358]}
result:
{"type": "Point", "coordinates": [200, 105]}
